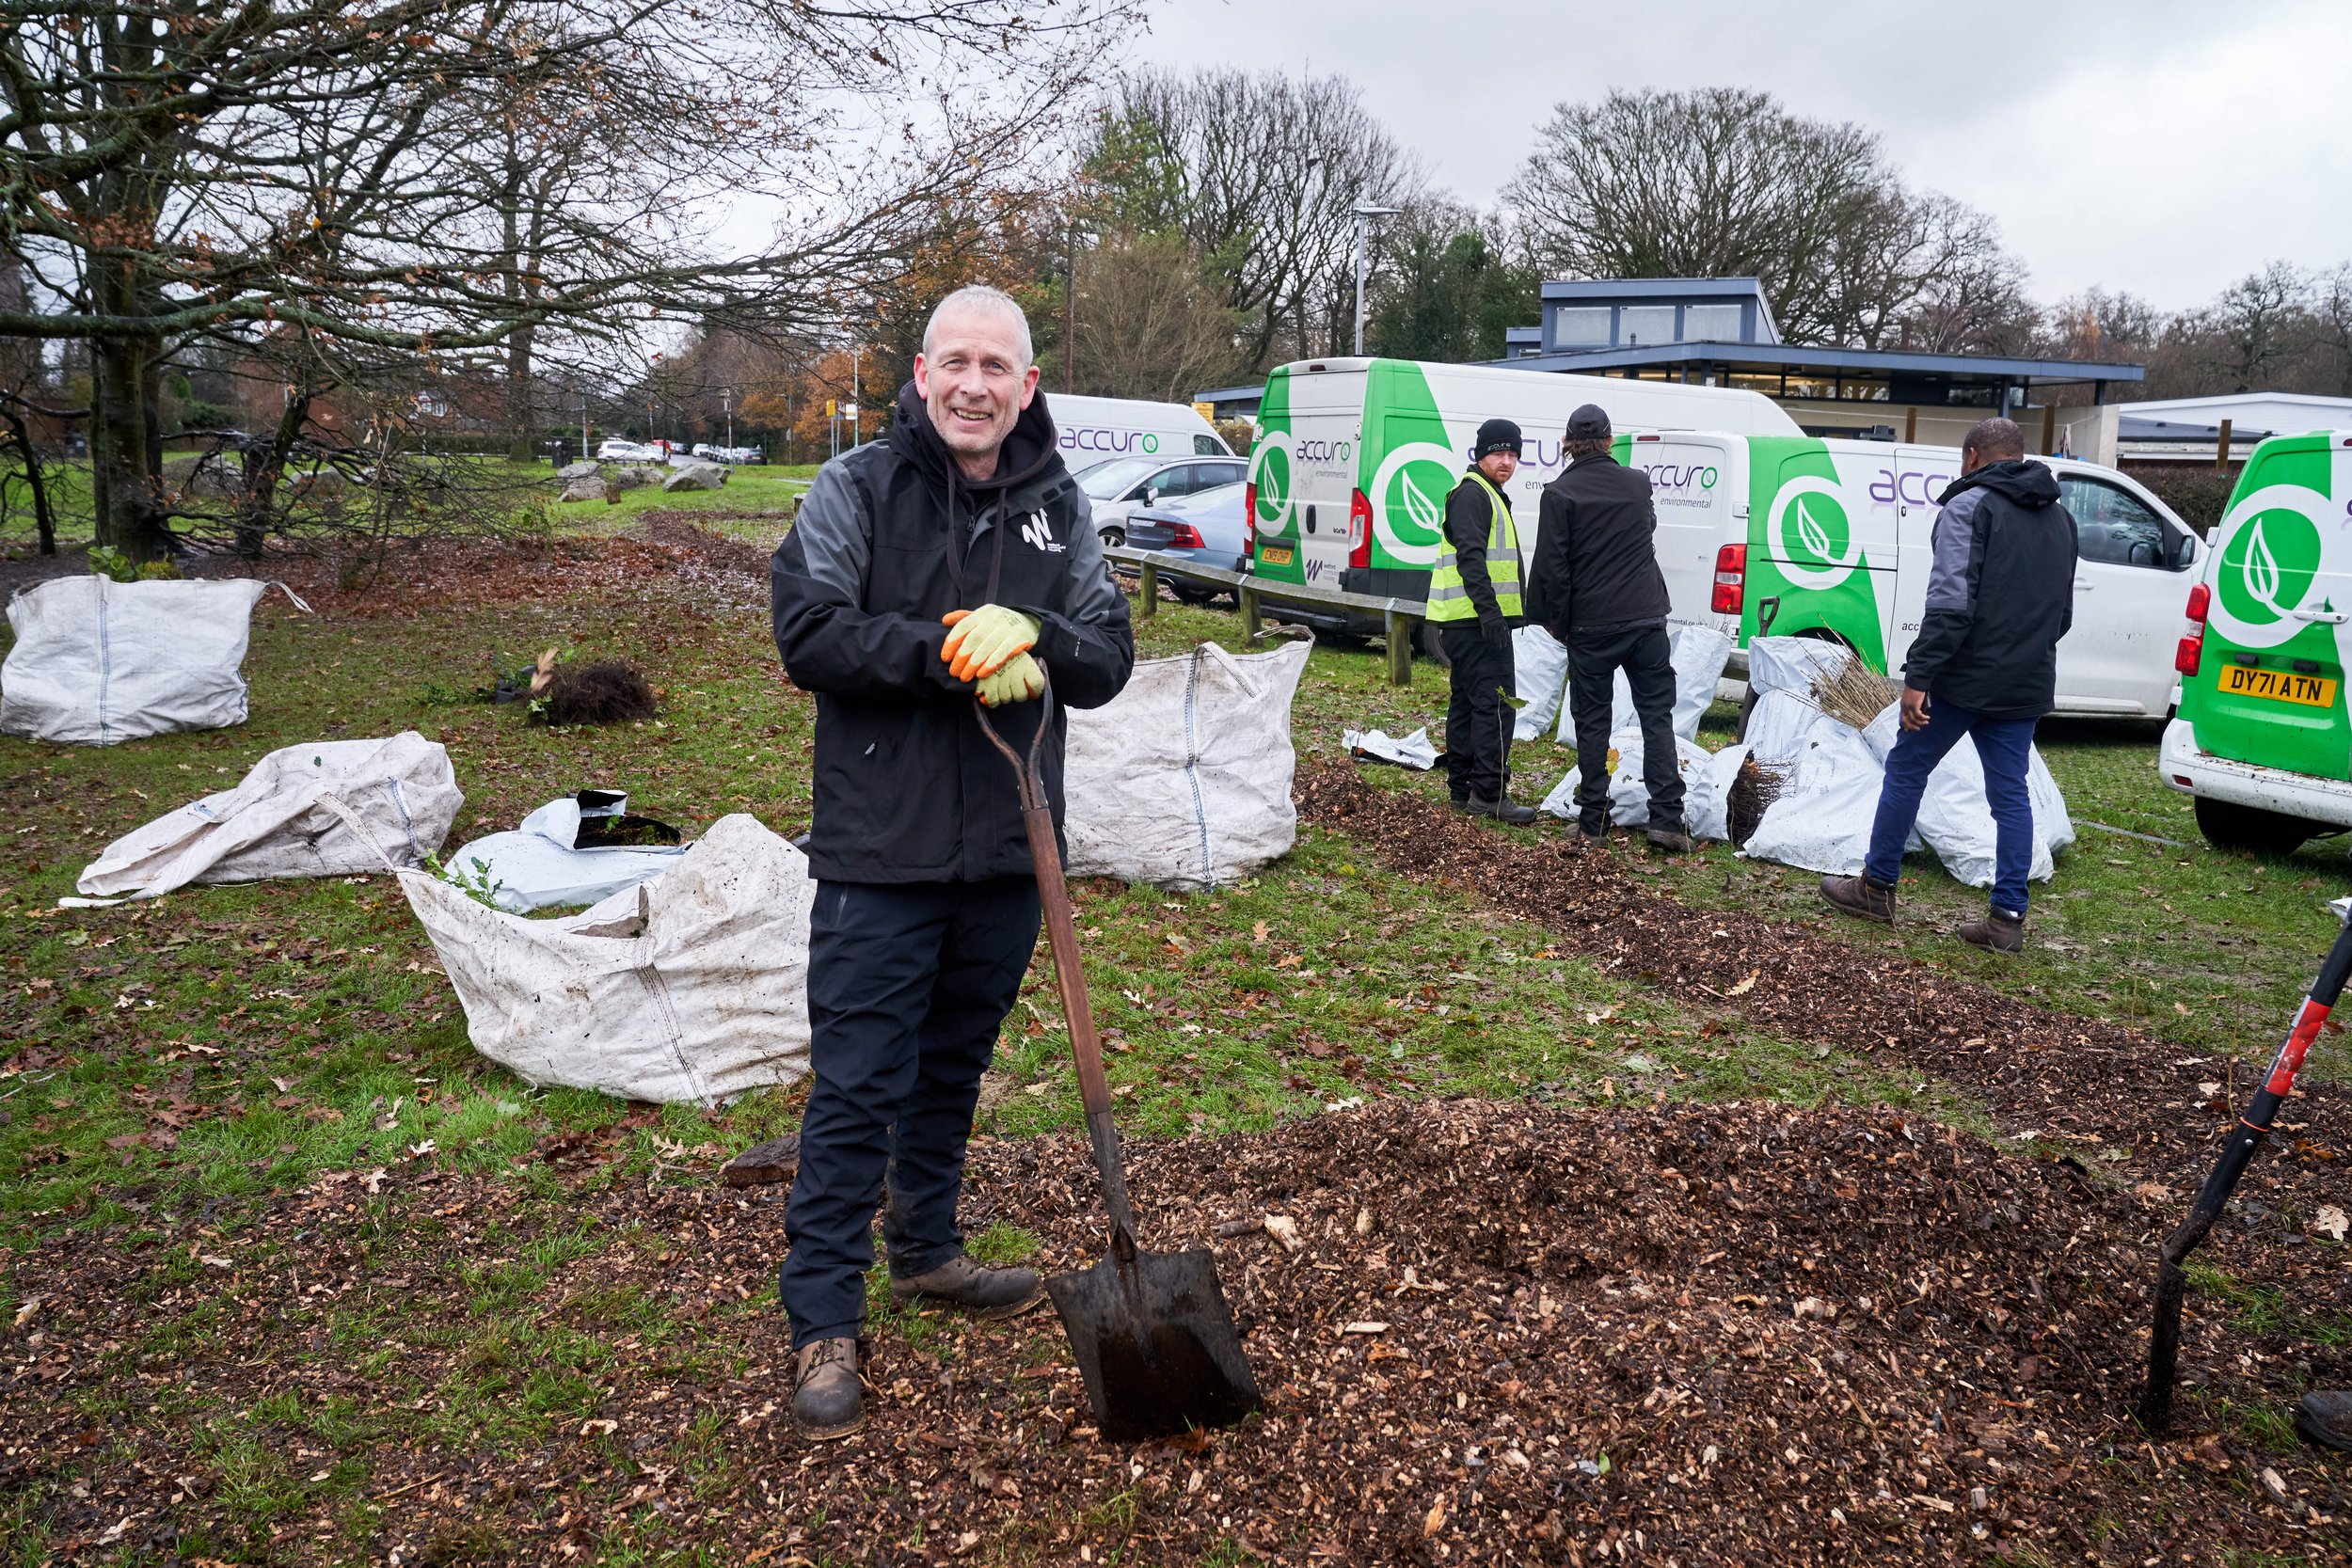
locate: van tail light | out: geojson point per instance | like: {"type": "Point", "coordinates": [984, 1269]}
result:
{"type": "Point", "coordinates": [1731, 580]}
{"type": "Point", "coordinates": [1359, 530]}
{"type": "Point", "coordinates": [2191, 652]}
{"type": "Point", "coordinates": [1183, 537]}
{"type": "Point", "coordinates": [1249, 520]}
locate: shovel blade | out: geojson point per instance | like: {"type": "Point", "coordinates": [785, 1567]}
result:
{"type": "Point", "coordinates": [1156, 1345]}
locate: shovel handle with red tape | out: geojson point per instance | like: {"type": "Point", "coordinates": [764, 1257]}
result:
{"type": "Point", "coordinates": [2164, 1349]}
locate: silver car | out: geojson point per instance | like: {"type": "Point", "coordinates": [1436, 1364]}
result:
{"type": "Point", "coordinates": [1119, 486]}
{"type": "Point", "coordinates": [1211, 527]}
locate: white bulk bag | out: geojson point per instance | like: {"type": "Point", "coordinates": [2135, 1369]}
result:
{"type": "Point", "coordinates": [690, 987]}
{"type": "Point", "coordinates": [1780, 676]}
{"type": "Point", "coordinates": [536, 864]}
{"type": "Point", "coordinates": [1183, 780]}
{"type": "Point", "coordinates": [1822, 821]}
{"type": "Point", "coordinates": [1699, 656]}
{"type": "Point", "coordinates": [98, 661]}
{"type": "Point", "coordinates": [1956, 821]}
{"type": "Point", "coordinates": [1628, 794]}
{"type": "Point", "coordinates": [272, 824]}
{"type": "Point", "coordinates": [1539, 678]}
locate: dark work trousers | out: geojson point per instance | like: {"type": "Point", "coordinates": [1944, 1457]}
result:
{"type": "Point", "coordinates": [1644, 652]}
{"type": "Point", "coordinates": [908, 984]}
{"type": "Point", "coordinates": [2005, 747]}
{"type": "Point", "coordinates": [1475, 717]}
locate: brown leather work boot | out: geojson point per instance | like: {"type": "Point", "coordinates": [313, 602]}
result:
{"type": "Point", "coordinates": [990, 1292]}
{"type": "Point", "coordinates": [1996, 931]}
{"type": "Point", "coordinates": [827, 1400]}
{"type": "Point", "coordinates": [1861, 897]}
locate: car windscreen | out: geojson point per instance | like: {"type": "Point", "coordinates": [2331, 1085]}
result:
{"type": "Point", "coordinates": [1106, 479]}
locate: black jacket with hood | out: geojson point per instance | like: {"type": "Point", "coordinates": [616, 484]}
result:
{"type": "Point", "coordinates": [890, 538]}
{"type": "Point", "coordinates": [1595, 566]}
{"type": "Point", "coordinates": [2000, 593]}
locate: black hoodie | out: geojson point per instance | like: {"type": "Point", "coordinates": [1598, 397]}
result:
{"type": "Point", "coordinates": [889, 539]}
{"type": "Point", "coordinates": [2000, 593]}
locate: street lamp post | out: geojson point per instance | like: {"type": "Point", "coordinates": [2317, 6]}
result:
{"type": "Point", "coordinates": [1365, 212]}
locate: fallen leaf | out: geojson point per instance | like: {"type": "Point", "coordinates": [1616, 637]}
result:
{"type": "Point", "coordinates": [2331, 1223]}
{"type": "Point", "coordinates": [1285, 1230]}
{"type": "Point", "coordinates": [1435, 1521]}
{"type": "Point", "coordinates": [1745, 986]}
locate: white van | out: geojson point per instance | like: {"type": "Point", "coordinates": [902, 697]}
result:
{"type": "Point", "coordinates": [1094, 430]}
{"type": "Point", "coordinates": [1832, 538]}
{"type": "Point", "coordinates": [1761, 528]}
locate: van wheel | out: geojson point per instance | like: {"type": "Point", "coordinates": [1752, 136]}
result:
{"type": "Point", "coordinates": [1432, 646]}
{"type": "Point", "coordinates": [2228, 826]}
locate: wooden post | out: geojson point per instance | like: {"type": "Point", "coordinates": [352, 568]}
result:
{"type": "Point", "coordinates": [1911, 425]}
{"type": "Point", "coordinates": [2049, 427]}
{"type": "Point", "coordinates": [2221, 449]}
{"type": "Point", "coordinates": [1149, 587]}
{"type": "Point", "coordinates": [1247, 595]}
{"type": "Point", "coordinates": [1398, 628]}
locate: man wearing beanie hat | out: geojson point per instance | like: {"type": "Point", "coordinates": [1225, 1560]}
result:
{"type": "Point", "coordinates": [1595, 585]}
{"type": "Point", "coordinates": [1474, 603]}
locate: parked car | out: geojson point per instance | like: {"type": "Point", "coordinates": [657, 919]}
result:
{"type": "Point", "coordinates": [1119, 486]}
{"type": "Point", "coordinates": [1211, 527]}
{"type": "Point", "coordinates": [615, 450]}
{"type": "Point", "coordinates": [711, 452]}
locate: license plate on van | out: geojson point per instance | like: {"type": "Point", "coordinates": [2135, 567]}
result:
{"type": "Point", "coordinates": [2278, 686]}
{"type": "Point", "coordinates": [1275, 555]}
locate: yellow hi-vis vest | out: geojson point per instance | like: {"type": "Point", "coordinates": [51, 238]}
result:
{"type": "Point", "coordinates": [1448, 599]}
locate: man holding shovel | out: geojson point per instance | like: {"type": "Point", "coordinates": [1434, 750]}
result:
{"type": "Point", "coordinates": [953, 558]}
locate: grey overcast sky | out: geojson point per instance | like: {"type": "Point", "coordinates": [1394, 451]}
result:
{"type": "Point", "coordinates": [2159, 146]}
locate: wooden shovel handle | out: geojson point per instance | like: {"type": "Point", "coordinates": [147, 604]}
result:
{"type": "Point", "coordinates": [1061, 936]}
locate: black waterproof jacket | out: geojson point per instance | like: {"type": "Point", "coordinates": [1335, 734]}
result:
{"type": "Point", "coordinates": [890, 538]}
{"type": "Point", "coordinates": [1595, 566]}
{"type": "Point", "coordinates": [2000, 593]}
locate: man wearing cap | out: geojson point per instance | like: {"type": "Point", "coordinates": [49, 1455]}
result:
{"type": "Point", "coordinates": [1474, 603]}
{"type": "Point", "coordinates": [1595, 585]}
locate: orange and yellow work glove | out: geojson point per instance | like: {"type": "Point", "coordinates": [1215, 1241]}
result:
{"type": "Point", "coordinates": [1017, 680]}
{"type": "Point", "coordinates": [982, 640]}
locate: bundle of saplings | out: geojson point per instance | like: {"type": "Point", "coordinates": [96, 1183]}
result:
{"type": "Point", "coordinates": [604, 692]}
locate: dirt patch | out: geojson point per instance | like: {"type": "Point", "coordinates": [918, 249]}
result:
{"type": "Point", "coordinates": [1723, 1333]}
{"type": "Point", "coordinates": [2135, 1102]}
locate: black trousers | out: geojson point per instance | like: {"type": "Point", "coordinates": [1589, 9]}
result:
{"type": "Point", "coordinates": [1644, 654]}
{"type": "Point", "coordinates": [908, 984]}
{"type": "Point", "coordinates": [1476, 719]}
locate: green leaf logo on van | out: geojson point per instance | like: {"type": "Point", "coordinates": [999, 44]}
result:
{"type": "Point", "coordinates": [1809, 535]}
{"type": "Point", "coordinates": [1274, 489]}
{"type": "Point", "coordinates": [1416, 501]}
{"type": "Point", "coordinates": [2267, 566]}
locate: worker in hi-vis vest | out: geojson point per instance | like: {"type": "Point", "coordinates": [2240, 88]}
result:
{"type": "Point", "coordinates": [1474, 601]}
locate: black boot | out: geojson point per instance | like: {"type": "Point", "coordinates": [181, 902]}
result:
{"type": "Point", "coordinates": [2326, 1417]}
{"type": "Point", "coordinates": [1998, 931]}
{"type": "Point", "coordinates": [990, 1292]}
{"type": "Point", "coordinates": [1501, 811]}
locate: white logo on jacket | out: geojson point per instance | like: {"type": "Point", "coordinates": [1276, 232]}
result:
{"type": "Point", "coordinates": [1040, 535]}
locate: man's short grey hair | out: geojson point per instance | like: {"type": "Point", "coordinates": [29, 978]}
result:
{"type": "Point", "coordinates": [979, 296]}
{"type": "Point", "coordinates": [1994, 438]}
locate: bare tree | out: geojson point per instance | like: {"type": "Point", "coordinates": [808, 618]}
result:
{"type": "Point", "coordinates": [1149, 325]}
{"type": "Point", "coordinates": [421, 178]}
{"type": "Point", "coordinates": [1726, 181]}
{"type": "Point", "coordinates": [1265, 171]}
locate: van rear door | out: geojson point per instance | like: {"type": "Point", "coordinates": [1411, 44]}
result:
{"type": "Point", "coordinates": [2269, 686]}
{"type": "Point", "coordinates": [2130, 586]}
{"type": "Point", "coordinates": [1693, 483]}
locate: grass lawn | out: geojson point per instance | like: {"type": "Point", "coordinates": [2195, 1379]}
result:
{"type": "Point", "coordinates": [171, 1073]}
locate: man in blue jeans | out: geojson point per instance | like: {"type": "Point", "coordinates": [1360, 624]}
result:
{"type": "Point", "coordinates": [2000, 595]}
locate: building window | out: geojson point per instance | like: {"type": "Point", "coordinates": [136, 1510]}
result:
{"type": "Point", "coordinates": [1646, 323]}
{"type": "Point", "coordinates": [1711, 324]}
{"type": "Point", "coordinates": [1581, 326]}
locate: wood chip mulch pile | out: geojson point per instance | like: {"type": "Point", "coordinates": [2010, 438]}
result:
{"type": "Point", "coordinates": [1728, 1333]}
{"type": "Point", "coordinates": [2045, 1073]}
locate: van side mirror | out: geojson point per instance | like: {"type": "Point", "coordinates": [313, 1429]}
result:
{"type": "Point", "coordinates": [2183, 551]}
